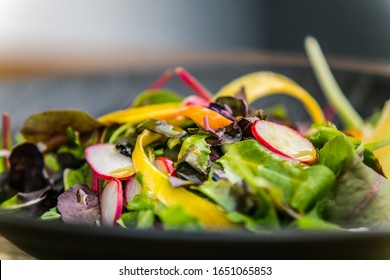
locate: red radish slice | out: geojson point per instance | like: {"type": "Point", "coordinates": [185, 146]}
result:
{"type": "Point", "coordinates": [284, 141]}
{"type": "Point", "coordinates": [107, 162]}
{"type": "Point", "coordinates": [132, 188]}
{"type": "Point", "coordinates": [111, 202]}
{"type": "Point", "coordinates": [165, 165]}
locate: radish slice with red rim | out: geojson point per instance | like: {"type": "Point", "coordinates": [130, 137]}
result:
{"type": "Point", "coordinates": [284, 141]}
{"type": "Point", "coordinates": [165, 165]}
{"type": "Point", "coordinates": [132, 188]}
{"type": "Point", "coordinates": [111, 201]}
{"type": "Point", "coordinates": [107, 162]}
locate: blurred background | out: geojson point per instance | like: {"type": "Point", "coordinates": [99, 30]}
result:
{"type": "Point", "coordinates": [63, 28]}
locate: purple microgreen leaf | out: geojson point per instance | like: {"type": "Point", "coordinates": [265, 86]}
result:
{"type": "Point", "coordinates": [27, 168]}
{"type": "Point", "coordinates": [79, 205]}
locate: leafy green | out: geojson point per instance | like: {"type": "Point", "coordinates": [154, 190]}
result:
{"type": "Point", "coordinates": [315, 183]}
{"type": "Point", "coordinates": [52, 163]}
{"type": "Point", "coordinates": [157, 96]}
{"type": "Point", "coordinates": [52, 214]}
{"type": "Point", "coordinates": [361, 198]}
{"type": "Point", "coordinates": [194, 159]}
{"type": "Point", "coordinates": [128, 220]}
{"type": "Point", "coordinates": [231, 197]}
{"type": "Point", "coordinates": [72, 177]}
{"type": "Point", "coordinates": [313, 221]}
{"type": "Point", "coordinates": [145, 219]}
{"type": "Point", "coordinates": [337, 154]}
{"type": "Point", "coordinates": [220, 192]}
{"type": "Point", "coordinates": [261, 225]}
{"type": "Point", "coordinates": [175, 217]}
{"type": "Point", "coordinates": [142, 201]}
{"type": "Point", "coordinates": [125, 130]}
{"type": "Point", "coordinates": [14, 200]}
{"type": "Point", "coordinates": [260, 167]}
{"type": "Point", "coordinates": [50, 127]}
{"type": "Point", "coordinates": [321, 134]}
{"type": "Point", "coordinates": [268, 174]}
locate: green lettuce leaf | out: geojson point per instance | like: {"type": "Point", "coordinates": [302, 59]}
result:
{"type": "Point", "coordinates": [52, 214]}
{"type": "Point", "coordinates": [175, 217]}
{"type": "Point", "coordinates": [286, 181]}
{"type": "Point", "coordinates": [72, 177]}
{"type": "Point", "coordinates": [361, 198]}
{"type": "Point", "coordinates": [194, 159]}
{"type": "Point", "coordinates": [337, 154]}
{"type": "Point", "coordinates": [313, 221]}
{"type": "Point", "coordinates": [157, 96]}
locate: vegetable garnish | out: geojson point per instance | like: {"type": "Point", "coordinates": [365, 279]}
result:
{"type": "Point", "coordinates": [261, 84]}
{"type": "Point", "coordinates": [204, 162]}
{"type": "Point", "coordinates": [353, 122]}
{"type": "Point", "coordinates": [284, 141]}
{"type": "Point", "coordinates": [155, 181]}
{"type": "Point", "coordinates": [109, 161]}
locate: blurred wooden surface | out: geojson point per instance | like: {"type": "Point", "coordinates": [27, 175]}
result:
{"type": "Point", "coordinates": [14, 67]}
{"type": "Point", "coordinates": [8, 251]}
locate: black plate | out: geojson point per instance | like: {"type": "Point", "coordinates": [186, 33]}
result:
{"type": "Point", "coordinates": [101, 93]}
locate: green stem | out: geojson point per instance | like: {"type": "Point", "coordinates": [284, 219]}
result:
{"type": "Point", "coordinates": [377, 145]}
{"type": "Point", "coordinates": [329, 86]}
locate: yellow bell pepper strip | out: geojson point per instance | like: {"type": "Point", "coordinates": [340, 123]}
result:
{"type": "Point", "coordinates": [261, 84]}
{"type": "Point", "coordinates": [380, 132]}
{"type": "Point", "coordinates": [166, 111]}
{"type": "Point", "coordinates": [139, 114]}
{"type": "Point", "coordinates": [198, 114]}
{"type": "Point", "coordinates": [209, 214]}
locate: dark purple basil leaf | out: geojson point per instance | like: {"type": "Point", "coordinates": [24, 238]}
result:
{"type": "Point", "coordinates": [241, 95]}
{"type": "Point", "coordinates": [246, 126]}
{"type": "Point", "coordinates": [234, 106]}
{"type": "Point", "coordinates": [238, 130]}
{"type": "Point", "coordinates": [27, 165]}
{"type": "Point", "coordinates": [79, 205]}
{"type": "Point", "coordinates": [246, 200]}
{"type": "Point", "coordinates": [224, 110]}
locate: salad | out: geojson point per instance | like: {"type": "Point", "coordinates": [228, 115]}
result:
{"type": "Point", "coordinates": [204, 162]}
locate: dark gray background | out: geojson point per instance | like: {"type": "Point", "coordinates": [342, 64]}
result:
{"type": "Point", "coordinates": [343, 27]}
